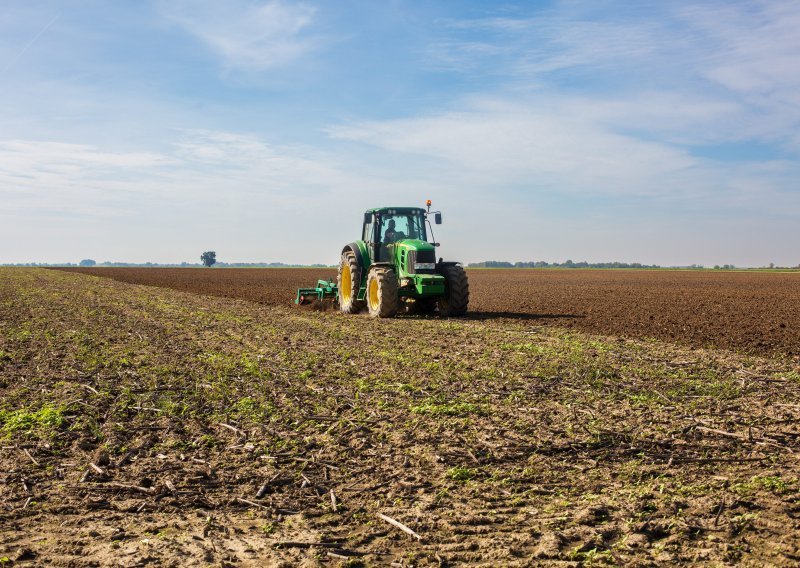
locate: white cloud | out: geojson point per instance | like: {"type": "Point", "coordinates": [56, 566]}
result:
{"type": "Point", "coordinates": [755, 47]}
{"type": "Point", "coordinates": [71, 179]}
{"type": "Point", "coordinates": [238, 173]}
{"type": "Point", "coordinates": [552, 41]}
{"type": "Point", "coordinates": [575, 148]}
{"type": "Point", "coordinates": [248, 34]}
{"type": "Point", "coordinates": [532, 145]}
{"type": "Point", "coordinates": [738, 61]}
{"type": "Point", "coordinates": [78, 178]}
{"type": "Point", "coordinates": [751, 50]}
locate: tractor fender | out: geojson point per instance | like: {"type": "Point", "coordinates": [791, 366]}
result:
{"type": "Point", "coordinates": [359, 249]}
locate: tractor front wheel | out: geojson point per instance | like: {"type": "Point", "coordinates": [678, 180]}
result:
{"type": "Point", "coordinates": [349, 281]}
{"type": "Point", "coordinates": [382, 298]}
{"type": "Point", "coordinates": [456, 292]}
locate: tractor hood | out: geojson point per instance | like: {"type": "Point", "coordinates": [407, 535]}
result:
{"type": "Point", "coordinates": [414, 256]}
{"type": "Point", "coordinates": [414, 244]}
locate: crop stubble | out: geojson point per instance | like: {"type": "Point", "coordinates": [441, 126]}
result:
{"type": "Point", "coordinates": [146, 425]}
{"type": "Point", "coordinates": [745, 311]}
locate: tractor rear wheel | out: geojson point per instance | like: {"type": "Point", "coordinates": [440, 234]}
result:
{"type": "Point", "coordinates": [456, 292]}
{"type": "Point", "coordinates": [382, 298]}
{"type": "Point", "coordinates": [349, 281]}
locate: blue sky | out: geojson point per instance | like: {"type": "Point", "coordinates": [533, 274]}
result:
{"type": "Point", "coordinates": [664, 133]}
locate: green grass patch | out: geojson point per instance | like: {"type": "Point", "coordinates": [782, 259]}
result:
{"type": "Point", "coordinates": [47, 419]}
{"type": "Point", "coordinates": [771, 483]}
{"type": "Point", "coordinates": [451, 408]}
{"type": "Point", "coordinates": [460, 473]}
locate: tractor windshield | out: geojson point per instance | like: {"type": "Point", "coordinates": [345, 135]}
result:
{"type": "Point", "coordinates": [401, 226]}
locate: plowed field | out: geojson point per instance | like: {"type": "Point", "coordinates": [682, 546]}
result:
{"type": "Point", "coordinates": [144, 426]}
{"type": "Point", "coordinates": [747, 311]}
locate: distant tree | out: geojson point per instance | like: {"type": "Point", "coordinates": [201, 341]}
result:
{"type": "Point", "coordinates": [87, 262]}
{"type": "Point", "coordinates": [209, 258]}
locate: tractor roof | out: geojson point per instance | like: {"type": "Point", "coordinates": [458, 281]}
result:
{"type": "Point", "coordinates": [400, 210]}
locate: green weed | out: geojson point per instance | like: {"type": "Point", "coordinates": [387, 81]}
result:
{"type": "Point", "coordinates": [460, 473]}
{"type": "Point", "coordinates": [452, 408]}
{"type": "Point", "coordinates": [771, 483]}
{"type": "Point", "coordinates": [44, 420]}
{"type": "Point", "coordinates": [268, 528]}
{"type": "Point", "coordinates": [592, 557]}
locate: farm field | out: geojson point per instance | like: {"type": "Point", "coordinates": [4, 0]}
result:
{"type": "Point", "coordinates": [571, 420]}
{"type": "Point", "coordinates": [745, 311]}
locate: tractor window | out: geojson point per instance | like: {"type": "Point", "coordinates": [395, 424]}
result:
{"type": "Point", "coordinates": [398, 227]}
{"type": "Point", "coordinates": [416, 227]}
{"type": "Point", "coordinates": [367, 236]}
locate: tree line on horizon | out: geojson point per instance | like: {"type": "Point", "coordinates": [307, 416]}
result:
{"type": "Point", "coordinates": [565, 264]}
{"type": "Point", "coordinates": [615, 264]}
{"type": "Point", "coordinates": [484, 264]}
{"type": "Point", "coordinates": [88, 263]}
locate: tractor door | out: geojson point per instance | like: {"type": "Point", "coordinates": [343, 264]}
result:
{"type": "Point", "coordinates": [368, 235]}
{"type": "Point", "coordinates": [381, 253]}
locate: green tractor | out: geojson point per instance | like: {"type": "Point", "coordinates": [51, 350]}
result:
{"type": "Point", "coordinates": [393, 267]}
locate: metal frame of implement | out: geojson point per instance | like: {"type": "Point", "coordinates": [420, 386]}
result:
{"type": "Point", "coordinates": [324, 289]}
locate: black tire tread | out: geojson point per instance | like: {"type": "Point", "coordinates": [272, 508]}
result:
{"type": "Point", "coordinates": [389, 301]}
{"type": "Point", "coordinates": [456, 296]}
{"type": "Point", "coordinates": [355, 305]}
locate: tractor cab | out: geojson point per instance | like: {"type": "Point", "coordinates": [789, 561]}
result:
{"type": "Point", "coordinates": [387, 227]}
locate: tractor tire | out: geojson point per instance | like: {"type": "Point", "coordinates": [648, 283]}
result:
{"type": "Point", "coordinates": [349, 282]}
{"type": "Point", "coordinates": [456, 292]}
{"type": "Point", "coordinates": [382, 298]}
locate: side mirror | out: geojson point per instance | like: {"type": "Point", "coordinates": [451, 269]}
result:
{"type": "Point", "coordinates": [367, 218]}
{"type": "Point", "coordinates": [438, 218]}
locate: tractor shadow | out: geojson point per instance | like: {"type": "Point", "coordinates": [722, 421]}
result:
{"type": "Point", "coordinates": [485, 316]}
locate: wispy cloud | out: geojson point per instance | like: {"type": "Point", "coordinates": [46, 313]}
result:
{"type": "Point", "coordinates": [74, 179]}
{"type": "Point", "coordinates": [570, 147]}
{"type": "Point", "coordinates": [249, 34]}
{"type": "Point", "coordinates": [741, 59]}
{"type": "Point", "coordinates": [236, 190]}
{"type": "Point", "coordinates": [201, 167]}
{"type": "Point", "coordinates": [549, 148]}
{"type": "Point", "coordinates": [752, 52]}
{"type": "Point", "coordinates": [551, 41]}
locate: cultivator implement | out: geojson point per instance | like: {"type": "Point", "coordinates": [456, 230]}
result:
{"type": "Point", "coordinates": [325, 290]}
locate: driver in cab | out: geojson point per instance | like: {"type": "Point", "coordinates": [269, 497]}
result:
{"type": "Point", "coordinates": [392, 235]}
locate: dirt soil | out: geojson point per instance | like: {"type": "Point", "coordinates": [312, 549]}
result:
{"type": "Point", "coordinates": [148, 426]}
{"type": "Point", "coordinates": [753, 312]}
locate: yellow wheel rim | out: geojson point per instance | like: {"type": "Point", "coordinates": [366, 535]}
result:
{"type": "Point", "coordinates": [346, 289]}
{"type": "Point", "coordinates": [373, 294]}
